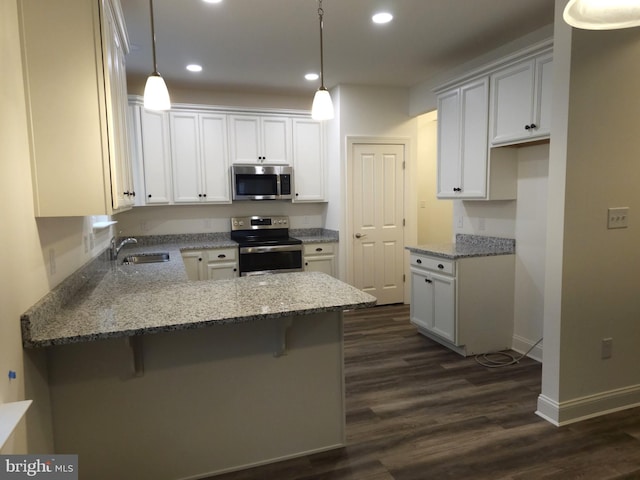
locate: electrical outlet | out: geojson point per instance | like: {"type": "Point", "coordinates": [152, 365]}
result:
{"type": "Point", "coordinates": [85, 241]}
{"type": "Point", "coordinates": [481, 224]}
{"type": "Point", "coordinates": [606, 348]}
{"type": "Point", "coordinates": [460, 221]}
{"type": "Point", "coordinates": [618, 217]}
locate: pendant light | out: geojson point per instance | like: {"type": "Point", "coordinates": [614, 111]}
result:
{"type": "Point", "coordinates": [156, 95]}
{"type": "Point", "coordinates": [322, 108]}
{"type": "Point", "coordinates": [602, 14]}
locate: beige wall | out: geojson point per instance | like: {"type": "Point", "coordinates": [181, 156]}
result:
{"type": "Point", "coordinates": [28, 246]}
{"type": "Point", "coordinates": [180, 94]}
{"type": "Point", "coordinates": [435, 217]}
{"type": "Point", "coordinates": [595, 294]}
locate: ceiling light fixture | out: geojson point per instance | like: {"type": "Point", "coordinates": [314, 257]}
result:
{"type": "Point", "coordinates": [382, 17]}
{"type": "Point", "coordinates": [602, 14]}
{"type": "Point", "coordinates": [193, 67]}
{"type": "Point", "coordinates": [156, 95]}
{"type": "Point", "coordinates": [212, 1]}
{"type": "Point", "coordinates": [322, 108]}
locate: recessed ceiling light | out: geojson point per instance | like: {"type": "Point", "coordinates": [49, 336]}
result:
{"type": "Point", "coordinates": [194, 68]}
{"type": "Point", "coordinates": [382, 17]}
{"type": "Point", "coordinates": [212, 1]}
{"type": "Point", "coordinates": [312, 76]}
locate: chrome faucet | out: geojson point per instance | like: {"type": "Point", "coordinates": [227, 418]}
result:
{"type": "Point", "coordinates": [115, 250]}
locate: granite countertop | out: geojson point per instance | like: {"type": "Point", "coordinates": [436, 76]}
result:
{"type": "Point", "coordinates": [468, 246]}
{"type": "Point", "coordinates": [107, 299]}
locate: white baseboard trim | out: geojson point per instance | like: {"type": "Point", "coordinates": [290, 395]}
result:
{"type": "Point", "coordinates": [578, 409]}
{"type": "Point", "coordinates": [522, 345]}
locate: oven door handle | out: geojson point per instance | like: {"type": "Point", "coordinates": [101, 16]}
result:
{"type": "Point", "coordinates": [272, 248]}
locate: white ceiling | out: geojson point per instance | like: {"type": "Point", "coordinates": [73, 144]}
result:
{"type": "Point", "coordinates": [268, 45]}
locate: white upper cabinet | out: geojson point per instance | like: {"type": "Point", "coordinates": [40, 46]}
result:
{"type": "Point", "coordinates": [156, 156]}
{"type": "Point", "coordinates": [308, 161]}
{"type": "Point", "coordinates": [462, 140]}
{"type": "Point", "coordinates": [77, 106]}
{"type": "Point", "coordinates": [521, 101]}
{"type": "Point", "coordinates": [199, 157]}
{"type": "Point", "coordinates": [260, 139]}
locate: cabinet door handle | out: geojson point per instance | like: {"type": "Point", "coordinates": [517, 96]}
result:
{"type": "Point", "coordinates": [319, 249]}
{"type": "Point", "coordinates": [200, 259]}
{"type": "Point", "coordinates": [440, 266]}
{"type": "Point", "coordinates": [149, 195]}
{"type": "Point", "coordinates": [306, 264]}
{"type": "Point", "coordinates": [222, 255]}
{"type": "Point", "coordinates": [428, 281]}
{"type": "Point", "coordinates": [457, 189]}
{"type": "Point", "coordinates": [527, 127]}
{"type": "Point", "coordinates": [419, 261]}
{"type": "Point", "coordinates": [533, 126]}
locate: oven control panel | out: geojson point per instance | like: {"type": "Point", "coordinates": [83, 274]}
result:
{"type": "Point", "coordinates": [259, 223]}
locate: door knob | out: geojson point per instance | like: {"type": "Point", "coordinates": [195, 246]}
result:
{"type": "Point", "coordinates": [360, 235]}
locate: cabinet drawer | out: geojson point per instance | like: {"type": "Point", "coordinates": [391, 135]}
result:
{"type": "Point", "coordinates": [433, 263]}
{"type": "Point", "coordinates": [222, 254]}
{"type": "Point", "coordinates": [318, 249]}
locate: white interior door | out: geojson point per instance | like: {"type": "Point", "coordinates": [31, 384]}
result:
{"type": "Point", "coordinates": [377, 187]}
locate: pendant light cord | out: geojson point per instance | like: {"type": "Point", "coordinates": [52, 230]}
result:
{"type": "Point", "coordinates": [321, 15]}
{"type": "Point", "coordinates": [153, 36]}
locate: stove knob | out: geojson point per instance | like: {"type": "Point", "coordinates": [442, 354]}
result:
{"type": "Point", "coordinates": [241, 222]}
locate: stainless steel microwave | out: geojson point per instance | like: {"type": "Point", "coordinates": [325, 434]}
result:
{"type": "Point", "coordinates": [261, 182]}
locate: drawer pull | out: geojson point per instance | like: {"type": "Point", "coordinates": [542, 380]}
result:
{"type": "Point", "coordinates": [440, 266]}
{"type": "Point", "coordinates": [319, 249]}
{"type": "Point", "coordinates": [222, 255]}
{"type": "Point", "coordinates": [428, 281]}
{"type": "Point", "coordinates": [418, 261]}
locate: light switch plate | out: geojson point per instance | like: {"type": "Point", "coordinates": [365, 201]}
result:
{"type": "Point", "coordinates": [618, 217]}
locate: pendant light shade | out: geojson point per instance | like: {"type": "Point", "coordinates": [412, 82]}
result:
{"type": "Point", "coordinates": [602, 14]}
{"type": "Point", "coordinates": [322, 107]}
{"type": "Point", "coordinates": [156, 95]}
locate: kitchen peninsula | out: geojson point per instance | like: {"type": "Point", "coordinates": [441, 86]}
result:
{"type": "Point", "coordinates": [237, 372]}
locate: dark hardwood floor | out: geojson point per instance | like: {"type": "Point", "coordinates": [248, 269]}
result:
{"type": "Point", "coordinates": [416, 410]}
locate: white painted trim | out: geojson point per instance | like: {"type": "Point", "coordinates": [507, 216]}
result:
{"type": "Point", "coordinates": [522, 345]}
{"type": "Point", "coordinates": [590, 406]}
{"type": "Point", "coordinates": [10, 415]}
{"type": "Point", "coordinates": [522, 54]}
{"type": "Point", "coordinates": [138, 100]}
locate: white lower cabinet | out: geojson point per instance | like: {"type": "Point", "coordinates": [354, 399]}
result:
{"type": "Point", "coordinates": [211, 264]}
{"type": "Point", "coordinates": [320, 257]}
{"type": "Point", "coordinates": [464, 304]}
{"type": "Point", "coordinates": [222, 264]}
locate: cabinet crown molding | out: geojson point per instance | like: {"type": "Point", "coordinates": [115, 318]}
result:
{"type": "Point", "coordinates": [177, 107]}
{"type": "Point", "coordinates": [530, 51]}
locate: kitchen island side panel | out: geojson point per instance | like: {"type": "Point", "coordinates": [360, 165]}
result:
{"type": "Point", "coordinates": [210, 400]}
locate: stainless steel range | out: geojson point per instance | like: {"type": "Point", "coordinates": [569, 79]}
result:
{"type": "Point", "coordinates": [265, 245]}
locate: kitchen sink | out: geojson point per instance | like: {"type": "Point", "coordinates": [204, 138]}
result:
{"type": "Point", "coordinates": [146, 258]}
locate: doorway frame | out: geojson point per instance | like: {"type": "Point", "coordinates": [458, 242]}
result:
{"type": "Point", "coordinates": [409, 201]}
